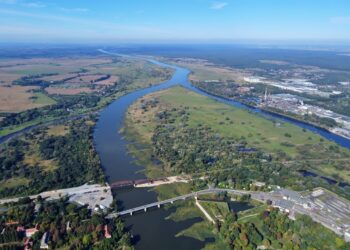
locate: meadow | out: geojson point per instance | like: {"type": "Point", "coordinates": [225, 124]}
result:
{"type": "Point", "coordinates": [286, 143]}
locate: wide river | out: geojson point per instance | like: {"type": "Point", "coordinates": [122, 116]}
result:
{"type": "Point", "coordinates": [152, 230]}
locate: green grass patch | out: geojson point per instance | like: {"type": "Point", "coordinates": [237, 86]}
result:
{"type": "Point", "coordinates": [185, 211]}
{"type": "Point", "coordinates": [216, 209]}
{"type": "Point", "coordinates": [14, 182]}
{"type": "Point", "coordinates": [43, 99]}
{"type": "Point", "coordinates": [251, 215]}
{"type": "Point", "coordinates": [172, 190]}
{"type": "Point", "coordinates": [200, 231]}
{"type": "Point", "coordinates": [258, 131]}
{"type": "Point", "coordinates": [11, 129]}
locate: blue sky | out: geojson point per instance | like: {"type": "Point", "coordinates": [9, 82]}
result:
{"type": "Point", "coordinates": [173, 20]}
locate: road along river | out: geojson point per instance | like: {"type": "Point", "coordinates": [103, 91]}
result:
{"type": "Point", "coordinates": [152, 230]}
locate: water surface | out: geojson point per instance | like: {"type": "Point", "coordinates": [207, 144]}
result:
{"type": "Point", "coordinates": [151, 229]}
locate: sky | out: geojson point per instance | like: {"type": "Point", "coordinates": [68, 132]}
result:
{"type": "Point", "coordinates": [96, 21]}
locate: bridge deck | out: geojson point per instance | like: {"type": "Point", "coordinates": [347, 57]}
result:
{"type": "Point", "coordinates": [172, 200]}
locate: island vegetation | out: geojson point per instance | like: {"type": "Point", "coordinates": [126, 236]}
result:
{"type": "Point", "coordinates": [185, 133]}
{"type": "Point", "coordinates": [176, 127]}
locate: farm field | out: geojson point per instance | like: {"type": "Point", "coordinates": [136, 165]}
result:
{"type": "Point", "coordinates": [19, 98]}
{"type": "Point", "coordinates": [73, 75]}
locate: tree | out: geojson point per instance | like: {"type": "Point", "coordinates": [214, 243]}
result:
{"type": "Point", "coordinates": [87, 239]}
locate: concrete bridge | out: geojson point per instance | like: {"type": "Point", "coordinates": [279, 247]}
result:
{"type": "Point", "coordinates": [178, 198]}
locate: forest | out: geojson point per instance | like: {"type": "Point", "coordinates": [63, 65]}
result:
{"type": "Point", "coordinates": [67, 225]}
{"type": "Point", "coordinates": [272, 228]}
{"type": "Point", "coordinates": [72, 159]}
{"type": "Point", "coordinates": [187, 149]}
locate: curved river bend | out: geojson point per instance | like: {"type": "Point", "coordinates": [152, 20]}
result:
{"type": "Point", "coordinates": [152, 230]}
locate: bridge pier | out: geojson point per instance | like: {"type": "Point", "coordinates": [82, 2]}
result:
{"type": "Point", "coordinates": [145, 209]}
{"type": "Point", "coordinates": [130, 213]}
{"type": "Point", "coordinates": [171, 202]}
{"type": "Point", "coordinates": [158, 205]}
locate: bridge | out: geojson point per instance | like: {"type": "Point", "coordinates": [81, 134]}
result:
{"type": "Point", "coordinates": [134, 183]}
{"type": "Point", "coordinates": [178, 198]}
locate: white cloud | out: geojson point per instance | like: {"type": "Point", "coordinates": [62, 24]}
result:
{"type": "Point", "coordinates": [218, 5]}
{"type": "Point", "coordinates": [340, 20]}
{"type": "Point", "coordinates": [74, 9]}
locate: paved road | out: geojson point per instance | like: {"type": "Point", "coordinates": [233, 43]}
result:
{"type": "Point", "coordinates": [172, 200]}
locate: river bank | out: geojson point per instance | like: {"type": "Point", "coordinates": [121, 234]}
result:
{"type": "Point", "coordinates": [119, 165]}
{"type": "Point", "coordinates": [281, 114]}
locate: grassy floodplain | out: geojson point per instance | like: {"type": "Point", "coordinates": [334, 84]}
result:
{"type": "Point", "coordinates": [287, 143]}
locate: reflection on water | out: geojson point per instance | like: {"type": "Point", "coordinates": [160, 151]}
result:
{"type": "Point", "coordinates": [152, 230]}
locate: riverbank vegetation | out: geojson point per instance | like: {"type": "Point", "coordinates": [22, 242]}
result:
{"type": "Point", "coordinates": [272, 229]}
{"type": "Point", "coordinates": [233, 83]}
{"type": "Point", "coordinates": [184, 132]}
{"type": "Point", "coordinates": [252, 94]}
{"type": "Point", "coordinates": [50, 158]}
{"type": "Point", "coordinates": [190, 133]}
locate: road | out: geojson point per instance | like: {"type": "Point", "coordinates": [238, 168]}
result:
{"type": "Point", "coordinates": [6, 138]}
{"type": "Point", "coordinates": [181, 197]}
{"type": "Point", "coordinates": [321, 205]}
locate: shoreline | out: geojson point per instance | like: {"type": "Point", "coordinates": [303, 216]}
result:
{"type": "Point", "coordinates": [283, 115]}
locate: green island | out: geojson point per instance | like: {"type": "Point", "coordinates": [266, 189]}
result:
{"type": "Point", "coordinates": [233, 149]}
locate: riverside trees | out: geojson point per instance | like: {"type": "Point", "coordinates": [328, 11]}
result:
{"type": "Point", "coordinates": [56, 161]}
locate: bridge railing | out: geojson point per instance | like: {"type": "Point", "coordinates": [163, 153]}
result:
{"type": "Point", "coordinates": [172, 200]}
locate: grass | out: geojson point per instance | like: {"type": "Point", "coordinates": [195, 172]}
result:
{"type": "Point", "coordinates": [140, 70]}
{"type": "Point", "coordinates": [203, 72]}
{"type": "Point", "coordinates": [11, 129]}
{"type": "Point", "coordinates": [35, 159]}
{"type": "Point", "coordinates": [13, 182]}
{"type": "Point", "coordinates": [258, 131]}
{"type": "Point", "coordinates": [227, 121]}
{"type": "Point", "coordinates": [42, 99]}
{"type": "Point", "coordinates": [187, 210]}
{"type": "Point", "coordinates": [57, 130]}
{"type": "Point", "coordinates": [251, 215]}
{"type": "Point", "coordinates": [32, 155]}
{"type": "Point", "coordinates": [172, 190]}
{"type": "Point", "coordinates": [200, 231]}
{"type": "Point", "coordinates": [216, 209]}
{"type": "Point", "coordinates": [268, 135]}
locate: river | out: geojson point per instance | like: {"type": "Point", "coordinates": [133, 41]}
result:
{"type": "Point", "coordinates": [152, 230]}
